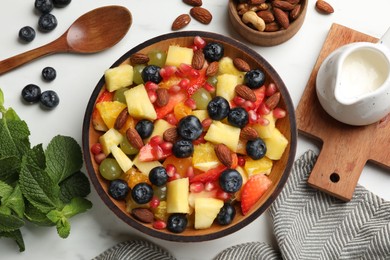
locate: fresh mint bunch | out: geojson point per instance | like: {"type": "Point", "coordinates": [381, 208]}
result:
{"type": "Point", "coordinates": [42, 186]}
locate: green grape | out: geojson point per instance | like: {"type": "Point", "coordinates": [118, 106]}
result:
{"type": "Point", "coordinates": [110, 169]}
{"type": "Point", "coordinates": [157, 57]}
{"type": "Point", "coordinates": [160, 192]}
{"type": "Point", "coordinates": [137, 78]}
{"type": "Point", "coordinates": [202, 97]}
{"type": "Point", "coordinates": [119, 96]}
{"type": "Point", "coordinates": [127, 148]}
{"type": "Point", "coordinates": [212, 81]}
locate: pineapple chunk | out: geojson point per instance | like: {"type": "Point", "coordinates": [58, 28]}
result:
{"type": "Point", "coordinates": [119, 77]}
{"type": "Point", "coordinates": [204, 157]}
{"type": "Point", "coordinates": [109, 111]}
{"type": "Point", "coordinates": [263, 165]}
{"type": "Point", "coordinates": [145, 167]}
{"type": "Point", "coordinates": [226, 84]}
{"type": "Point", "coordinates": [110, 138]}
{"type": "Point", "coordinates": [160, 125]}
{"type": "Point", "coordinates": [139, 104]}
{"type": "Point", "coordinates": [177, 55]}
{"type": "Point", "coordinates": [221, 133]}
{"type": "Point", "coordinates": [206, 210]}
{"type": "Point", "coordinates": [276, 144]}
{"type": "Point", "coordinates": [177, 196]}
{"type": "Point", "coordinates": [266, 131]}
{"type": "Point", "coordinates": [226, 66]}
{"type": "Point", "coordinates": [200, 114]}
{"type": "Point", "coordinates": [124, 162]}
{"type": "Point", "coordinates": [202, 194]}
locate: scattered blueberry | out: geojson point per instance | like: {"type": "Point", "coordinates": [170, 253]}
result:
{"type": "Point", "coordinates": [256, 148]}
{"type": "Point", "coordinates": [230, 180]}
{"type": "Point", "coordinates": [158, 176]}
{"type": "Point", "coordinates": [47, 22]}
{"type": "Point", "coordinates": [177, 222]}
{"type": "Point", "coordinates": [213, 51]}
{"type": "Point", "coordinates": [118, 189]}
{"type": "Point", "coordinates": [144, 128]}
{"type": "Point", "coordinates": [27, 34]}
{"type": "Point", "coordinates": [218, 108]}
{"type": "Point", "coordinates": [151, 73]}
{"type": "Point", "coordinates": [49, 74]}
{"type": "Point", "coordinates": [61, 3]}
{"type": "Point", "coordinates": [226, 214]}
{"type": "Point", "coordinates": [44, 6]}
{"type": "Point", "coordinates": [183, 149]}
{"type": "Point", "coordinates": [31, 93]}
{"type": "Point", "coordinates": [254, 78]}
{"type": "Point", "coordinates": [49, 99]}
{"type": "Point", "coordinates": [189, 128]}
{"type": "Point", "coordinates": [142, 193]}
{"type": "Point", "coordinates": [238, 117]}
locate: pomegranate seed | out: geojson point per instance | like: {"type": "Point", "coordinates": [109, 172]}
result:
{"type": "Point", "coordinates": [200, 139]}
{"type": "Point", "coordinates": [279, 112]}
{"type": "Point", "coordinates": [193, 73]}
{"type": "Point", "coordinates": [241, 161]}
{"type": "Point", "coordinates": [171, 170]}
{"type": "Point", "coordinates": [239, 101]}
{"type": "Point", "coordinates": [210, 88]}
{"type": "Point", "coordinates": [270, 89]}
{"type": "Point", "coordinates": [96, 148]}
{"type": "Point", "coordinates": [190, 102]}
{"type": "Point", "coordinates": [170, 118]}
{"type": "Point", "coordinates": [263, 109]}
{"type": "Point", "coordinates": [196, 187]}
{"type": "Point", "coordinates": [199, 42]}
{"type": "Point", "coordinates": [166, 147]}
{"type": "Point", "coordinates": [154, 202]}
{"type": "Point", "coordinates": [263, 121]}
{"type": "Point", "coordinates": [184, 69]}
{"type": "Point", "coordinates": [184, 83]}
{"type": "Point", "coordinates": [152, 96]}
{"type": "Point", "coordinates": [174, 89]}
{"type": "Point", "coordinates": [194, 47]}
{"type": "Point", "coordinates": [190, 172]}
{"type": "Point", "coordinates": [156, 140]}
{"type": "Point", "coordinates": [209, 186]}
{"type": "Point", "coordinates": [151, 86]}
{"type": "Point", "coordinates": [99, 157]}
{"type": "Point", "coordinates": [167, 71]}
{"type": "Point", "coordinates": [159, 224]}
{"type": "Point", "coordinates": [252, 116]}
{"type": "Point", "coordinates": [206, 123]}
{"type": "Point", "coordinates": [222, 195]}
{"type": "Point", "coordinates": [174, 177]}
{"type": "Point", "coordinates": [248, 105]}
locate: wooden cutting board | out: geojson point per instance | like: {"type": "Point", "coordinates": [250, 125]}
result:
{"type": "Point", "coordinates": [345, 149]}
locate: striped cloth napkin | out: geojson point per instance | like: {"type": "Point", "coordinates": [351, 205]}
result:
{"type": "Point", "coordinates": [308, 224]}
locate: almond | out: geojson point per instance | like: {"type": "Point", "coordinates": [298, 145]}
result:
{"type": "Point", "coordinates": [224, 154]}
{"type": "Point", "coordinates": [294, 2]}
{"type": "Point", "coordinates": [170, 135]}
{"type": "Point", "coordinates": [212, 69]}
{"type": "Point", "coordinates": [180, 22]}
{"type": "Point", "coordinates": [198, 59]}
{"type": "Point", "coordinates": [241, 65]}
{"type": "Point", "coordinates": [295, 12]}
{"type": "Point", "coordinates": [134, 138]}
{"type": "Point", "coordinates": [272, 27]}
{"type": "Point", "coordinates": [256, 2]}
{"type": "Point", "coordinates": [143, 214]}
{"type": "Point", "coordinates": [273, 100]}
{"type": "Point", "coordinates": [324, 7]}
{"type": "Point", "coordinates": [267, 16]}
{"type": "Point", "coordinates": [139, 58]}
{"type": "Point", "coordinates": [201, 14]}
{"type": "Point", "coordinates": [284, 5]}
{"type": "Point", "coordinates": [245, 92]}
{"type": "Point", "coordinates": [281, 17]}
{"type": "Point", "coordinates": [248, 133]}
{"type": "Point", "coordinates": [121, 119]}
{"type": "Point", "coordinates": [162, 97]}
{"type": "Point", "coordinates": [193, 2]}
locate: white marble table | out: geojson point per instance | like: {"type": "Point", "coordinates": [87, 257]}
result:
{"type": "Point", "coordinates": [99, 229]}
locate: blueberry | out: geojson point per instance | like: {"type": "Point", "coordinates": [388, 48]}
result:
{"type": "Point", "coordinates": [230, 180]}
{"type": "Point", "coordinates": [238, 117]}
{"type": "Point", "coordinates": [44, 6]}
{"type": "Point", "coordinates": [61, 3]}
{"type": "Point", "coordinates": [142, 193]}
{"type": "Point", "coordinates": [31, 93]}
{"type": "Point", "coordinates": [254, 78]}
{"type": "Point", "coordinates": [226, 214]}
{"type": "Point", "coordinates": [47, 22]}
{"type": "Point", "coordinates": [118, 189]}
{"type": "Point", "coordinates": [27, 34]}
{"type": "Point", "coordinates": [183, 149]}
{"type": "Point", "coordinates": [145, 128]}
{"type": "Point", "coordinates": [158, 176]}
{"type": "Point", "coordinates": [189, 127]}
{"type": "Point", "coordinates": [49, 99]}
{"type": "Point", "coordinates": [256, 148]}
{"type": "Point", "coordinates": [49, 73]}
{"type": "Point", "coordinates": [213, 51]}
{"type": "Point", "coordinates": [151, 73]}
{"type": "Point", "coordinates": [177, 222]}
{"type": "Point", "coordinates": [218, 108]}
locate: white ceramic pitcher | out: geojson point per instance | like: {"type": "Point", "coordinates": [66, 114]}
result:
{"type": "Point", "coordinates": [353, 82]}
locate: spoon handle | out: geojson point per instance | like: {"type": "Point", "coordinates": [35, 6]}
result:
{"type": "Point", "coordinates": [23, 58]}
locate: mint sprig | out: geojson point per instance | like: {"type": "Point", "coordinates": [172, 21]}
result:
{"type": "Point", "coordinates": [45, 187]}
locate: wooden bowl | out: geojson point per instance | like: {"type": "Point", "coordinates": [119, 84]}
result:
{"type": "Point", "coordinates": [279, 174]}
{"type": "Point", "coordinates": [265, 38]}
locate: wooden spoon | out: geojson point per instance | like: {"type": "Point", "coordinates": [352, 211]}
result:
{"type": "Point", "coordinates": [92, 32]}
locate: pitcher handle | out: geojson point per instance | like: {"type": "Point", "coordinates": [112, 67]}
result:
{"type": "Point", "coordinates": [385, 39]}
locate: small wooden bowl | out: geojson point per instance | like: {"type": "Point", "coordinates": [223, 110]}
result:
{"type": "Point", "coordinates": [280, 171]}
{"type": "Point", "coordinates": [265, 38]}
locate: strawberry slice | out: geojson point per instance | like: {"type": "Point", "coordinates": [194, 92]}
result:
{"type": "Point", "coordinates": [97, 120]}
{"type": "Point", "coordinates": [252, 191]}
{"type": "Point", "coordinates": [150, 153]}
{"type": "Point", "coordinates": [260, 94]}
{"type": "Point", "coordinates": [174, 99]}
{"type": "Point", "coordinates": [210, 175]}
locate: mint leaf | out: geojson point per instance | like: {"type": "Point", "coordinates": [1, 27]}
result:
{"type": "Point", "coordinates": [17, 236]}
{"type": "Point", "coordinates": [5, 190]}
{"type": "Point", "coordinates": [76, 185]}
{"type": "Point", "coordinates": [63, 228]}
{"type": "Point", "coordinates": [10, 222]}
{"type": "Point", "coordinates": [64, 157]}
{"type": "Point", "coordinates": [9, 168]}
{"type": "Point", "coordinates": [14, 135]}
{"type": "Point", "coordinates": [36, 216]}
{"type": "Point", "coordinates": [36, 184]}
{"type": "Point", "coordinates": [14, 201]}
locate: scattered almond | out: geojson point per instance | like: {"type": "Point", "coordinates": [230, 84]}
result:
{"type": "Point", "coordinates": [134, 138]}
{"type": "Point", "coordinates": [193, 2]}
{"type": "Point", "coordinates": [245, 92]}
{"type": "Point", "coordinates": [281, 17]}
{"type": "Point", "coordinates": [224, 154]}
{"type": "Point", "coordinates": [248, 133]}
{"type": "Point", "coordinates": [212, 69]}
{"type": "Point", "coordinates": [324, 7]}
{"type": "Point", "coordinates": [180, 22]}
{"type": "Point", "coordinates": [143, 214]}
{"type": "Point", "coordinates": [273, 100]}
{"type": "Point", "coordinates": [201, 14]}
{"type": "Point", "coordinates": [170, 135]}
{"type": "Point", "coordinates": [162, 97]}
{"type": "Point", "coordinates": [198, 59]}
{"type": "Point", "coordinates": [241, 65]}
{"type": "Point", "coordinates": [139, 58]}
{"type": "Point", "coordinates": [121, 119]}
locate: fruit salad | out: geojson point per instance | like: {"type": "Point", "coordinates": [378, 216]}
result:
{"type": "Point", "coordinates": [188, 135]}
